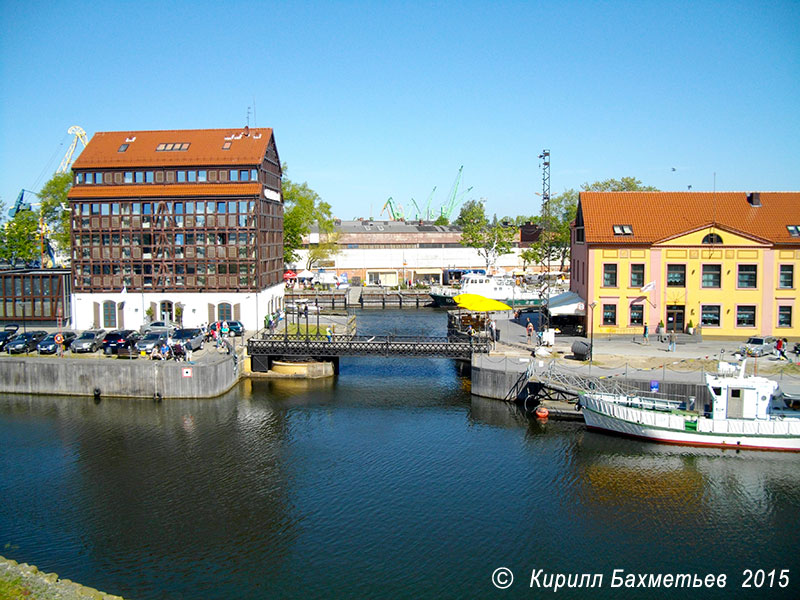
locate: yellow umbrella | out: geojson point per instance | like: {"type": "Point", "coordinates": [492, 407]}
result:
{"type": "Point", "coordinates": [478, 303]}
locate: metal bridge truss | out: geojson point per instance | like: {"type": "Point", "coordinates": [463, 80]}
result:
{"type": "Point", "coordinates": [277, 345]}
{"type": "Point", "coordinates": [551, 384]}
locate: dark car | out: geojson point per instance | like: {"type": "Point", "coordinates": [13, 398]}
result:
{"type": "Point", "coordinates": [48, 345]}
{"type": "Point", "coordinates": [120, 338]}
{"type": "Point", "coordinates": [89, 341]}
{"type": "Point", "coordinates": [235, 328]}
{"type": "Point", "coordinates": [188, 338]}
{"type": "Point", "coordinates": [25, 342]}
{"type": "Point", "coordinates": [5, 337]}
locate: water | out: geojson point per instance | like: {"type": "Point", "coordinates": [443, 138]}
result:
{"type": "Point", "coordinates": [391, 481]}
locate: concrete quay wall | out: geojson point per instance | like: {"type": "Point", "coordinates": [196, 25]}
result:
{"type": "Point", "coordinates": [118, 377]}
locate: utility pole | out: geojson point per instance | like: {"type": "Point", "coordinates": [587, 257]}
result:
{"type": "Point", "coordinates": [544, 315]}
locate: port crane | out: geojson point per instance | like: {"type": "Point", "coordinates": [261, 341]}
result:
{"type": "Point", "coordinates": [80, 135]}
{"type": "Point", "coordinates": [454, 197]}
{"type": "Point", "coordinates": [395, 210]}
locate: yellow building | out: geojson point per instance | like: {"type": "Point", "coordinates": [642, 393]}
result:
{"type": "Point", "coordinates": [727, 262]}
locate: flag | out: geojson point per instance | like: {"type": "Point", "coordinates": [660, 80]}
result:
{"type": "Point", "coordinates": [648, 287]}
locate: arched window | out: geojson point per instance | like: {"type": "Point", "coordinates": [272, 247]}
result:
{"type": "Point", "coordinates": [224, 311]}
{"type": "Point", "coordinates": [712, 238]}
{"type": "Point", "coordinates": [109, 314]}
{"type": "Point", "coordinates": [165, 311]}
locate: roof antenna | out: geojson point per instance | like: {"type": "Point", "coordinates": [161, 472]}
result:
{"type": "Point", "coordinates": [248, 117]}
{"type": "Point", "coordinates": [255, 122]}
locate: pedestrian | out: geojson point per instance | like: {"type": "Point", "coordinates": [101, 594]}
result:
{"type": "Point", "coordinates": [781, 346]}
{"type": "Point", "coordinates": [328, 333]}
{"type": "Point", "coordinates": [671, 341]}
{"type": "Point", "coordinates": [492, 332]}
{"type": "Point", "coordinates": [646, 335]}
{"type": "Point", "coordinates": [529, 330]}
{"type": "Point", "coordinates": [189, 352]}
{"type": "Point", "coordinates": [225, 329]}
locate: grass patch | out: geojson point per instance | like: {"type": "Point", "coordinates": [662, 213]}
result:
{"type": "Point", "coordinates": [14, 589]}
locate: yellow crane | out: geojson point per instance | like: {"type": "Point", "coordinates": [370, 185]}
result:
{"type": "Point", "coordinates": [79, 134]}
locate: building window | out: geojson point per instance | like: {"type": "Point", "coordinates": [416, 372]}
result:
{"type": "Point", "coordinates": [712, 238]}
{"type": "Point", "coordinates": [226, 146]}
{"type": "Point", "coordinates": [784, 316]}
{"type": "Point", "coordinates": [109, 314]}
{"type": "Point", "coordinates": [748, 276]}
{"type": "Point", "coordinates": [138, 177]}
{"type": "Point", "coordinates": [148, 176]}
{"type": "Point", "coordinates": [181, 177]}
{"type": "Point", "coordinates": [712, 276]}
{"type": "Point", "coordinates": [746, 316]}
{"type": "Point", "coordinates": [234, 176]}
{"type": "Point", "coordinates": [202, 175]}
{"type": "Point", "coordinates": [122, 148]}
{"type": "Point", "coordinates": [637, 276]}
{"type": "Point", "coordinates": [609, 314]}
{"type": "Point", "coordinates": [786, 277]}
{"type": "Point", "coordinates": [710, 315]}
{"type": "Point", "coordinates": [637, 314]}
{"type": "Point", "coordinates": [224, 311]}
{"type": "Point", "coordinates": [794, 230]}
{"type": "Point", "coordinates": [676, 275]}
{"type": "Point", "coordinates": [623, 230]}
{"type": "Point", "coordinates": [610, 275]}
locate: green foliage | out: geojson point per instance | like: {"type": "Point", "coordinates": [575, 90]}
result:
{"type": "Point", "coordinates": [19, 238]}
{"type": "Point", "coordinates": [626, 184]}
{"type": "Point", "coordinates": [442, 220]}
{"type": "Point", "coordinates": [303, 208]}
{"type": "Point", "coordinates": [55, 209]}
{"type": "Point", "coordinates": [490, 239]}
{"type": "Point", "coordinates": [532, 256]}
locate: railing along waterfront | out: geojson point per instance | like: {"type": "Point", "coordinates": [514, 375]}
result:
{"type": "Point", "coordinates": [277, 344]}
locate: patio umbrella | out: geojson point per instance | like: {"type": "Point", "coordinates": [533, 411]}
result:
{"type": "Point", "coordinates": [289, 275]}
{"type": "Point", "coordinates": [478, 303]}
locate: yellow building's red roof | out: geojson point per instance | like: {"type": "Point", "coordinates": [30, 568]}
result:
{"type": "Point", "coordinates": [657, 216]}
{"type": "Point", "coordinates": [247, 147]}
{"type": "Point", "coordinates": [164, 191]}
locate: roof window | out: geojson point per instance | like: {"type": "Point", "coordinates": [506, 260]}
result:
{"type": "Point", "coordinates": [794, 230]}
{"type": "Point", "coordinates": [172, 147]}
{"type": "Point", "coordinates": [122, 148]}
{"type": "Point", "coordinates": [226, 146]}
{"type": "Point", "coordinates": [623, 230]}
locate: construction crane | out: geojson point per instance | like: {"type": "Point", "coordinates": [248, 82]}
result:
{"type": "Point", "coordinates": [396, 212]}
{"type": "Point", "coordinates": [425, 216]}
{"type": "Point", "coordinates": [79, 134]}
{"type": "Point", "coordinates": [454, 197]}
{"type": "Point", "coordinates": [21, 205]}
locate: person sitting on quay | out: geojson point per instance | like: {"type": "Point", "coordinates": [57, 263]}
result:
{"type": "Point", "coordinates": [155, 353]}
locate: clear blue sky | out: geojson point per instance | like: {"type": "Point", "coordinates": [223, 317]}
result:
{"type": "Point", "coordinates": [377, 99]}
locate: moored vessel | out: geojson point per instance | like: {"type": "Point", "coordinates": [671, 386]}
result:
{"type": "Point", "coordinates": [499, 288]}
{"type": "Point", "coordinates": [746, 412]}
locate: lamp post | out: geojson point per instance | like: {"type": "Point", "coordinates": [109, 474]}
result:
{"type": "Point", "coordinates": [591, 333]}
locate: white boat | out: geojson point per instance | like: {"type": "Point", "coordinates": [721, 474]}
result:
{"type": "Point", "coordinates": [499, 288]}
{"type": "Point", "coordinates": [745, 412]}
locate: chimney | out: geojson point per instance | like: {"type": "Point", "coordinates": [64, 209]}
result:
{"type": "Point", "coordinates": [754, 198]}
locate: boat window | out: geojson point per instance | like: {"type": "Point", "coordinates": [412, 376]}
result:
{"type": "Point", "coordinates": [717, 390]}
{"type": "Point", "coordinates": [736, 393]}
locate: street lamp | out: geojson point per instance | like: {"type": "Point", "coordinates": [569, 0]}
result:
{"type": "Point", "coordinates": [591, 333]}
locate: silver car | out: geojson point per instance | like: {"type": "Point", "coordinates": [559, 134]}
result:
{"type": "Point", "coordinates": [149, 341]}
{"type": "Point", "coordinates": [89, 341]}
{"type": "Point", "coordinates": [759, 346]}
{"type": "Point", "coordinates": [189, 338]}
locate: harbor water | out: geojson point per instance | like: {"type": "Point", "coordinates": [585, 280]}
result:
{"type": "Point", "coordinates": [390, 481]}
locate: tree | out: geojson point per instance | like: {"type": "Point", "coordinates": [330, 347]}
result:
{"type": "Point", "coordinates": [55, 209]}
{"type": "Point", "coordinates": [532, 256]}
{"type": "Point", "coordinates": [441, 220]}
{"type": "Point", "coordinates": [19, 238]}
{"type": "Point", "coordinates": [626, 184]}
{"type": "Point", "coordinates": [303, 208]}
{"type": "Point", "coordinates": [490, 240]}
{"type": "Point", "coordinates": [327, 247]}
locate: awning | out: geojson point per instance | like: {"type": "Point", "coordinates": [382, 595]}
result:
{"type": "Point", "coordinates": [428, 271]}
{"type": "Point", "coordinates": [305, 274]}
{"type": "Point", "coordinates": [568, 303]}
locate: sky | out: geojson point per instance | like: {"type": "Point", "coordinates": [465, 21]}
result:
{"type": "Point", "coordinates": [371, 100]}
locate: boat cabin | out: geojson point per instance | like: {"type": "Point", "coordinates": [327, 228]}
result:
{"type": "Point", "coordinates": [740, 397]}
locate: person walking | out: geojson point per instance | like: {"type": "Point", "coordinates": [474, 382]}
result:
{"type": "Point", "coordinates": [529, 331]}
{"type": "Point", "coordinates": [328, 333]}
{"type": "Point", "coordinates": [671, 341]}
{"type": "Point", "coordinates": [646, 335]}
{"type": "Point", "coordinates": [780, 346]}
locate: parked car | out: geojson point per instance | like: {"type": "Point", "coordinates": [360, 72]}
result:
{"type": "Point", "coordinates": [89, 341]}
{"type": "Point", "coordinates": [188, 338]}
{"type": "Point", "coordinates": [758, 346]}
{"type": "Point", "coordinates": [25, 342]}
{"type": "Point", "coordinates": [9, 333]}
{"type": "Point", "coordinates": [235, 328]}
{"type": "Point", "coordinates": [146, 343]}
{"type": "Point", "coordinates": [168, 326]}
{"type": "Point", "coordinates": [48, 345]}
{"type": "Point", "coordinates": [120, 338]}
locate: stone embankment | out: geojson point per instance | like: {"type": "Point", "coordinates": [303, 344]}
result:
{"type": "Point", "coordinates": [23, 581]}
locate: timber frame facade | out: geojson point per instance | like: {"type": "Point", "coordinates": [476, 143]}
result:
{"type": "Point", "coordinates": [179, 212]}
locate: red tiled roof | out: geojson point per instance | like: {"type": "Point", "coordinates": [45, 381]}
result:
{"type": "Point", "coordinates": [165, 191]}
{"type": "Point", "coordinates": [205, 148]}
{"type": "Point", "coordinates": [657, 216]}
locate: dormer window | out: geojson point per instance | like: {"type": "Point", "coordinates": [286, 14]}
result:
{"type": "Point", "coordinates": [623, 230]}
{"type": "Point", "coordinates": [712, 238]}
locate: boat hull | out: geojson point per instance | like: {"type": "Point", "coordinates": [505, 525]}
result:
{"type": "Point", "coordinates": [631, 422]}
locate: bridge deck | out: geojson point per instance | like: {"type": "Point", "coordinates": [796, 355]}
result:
{"type": "Point", "coordinates": [349, 345]}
